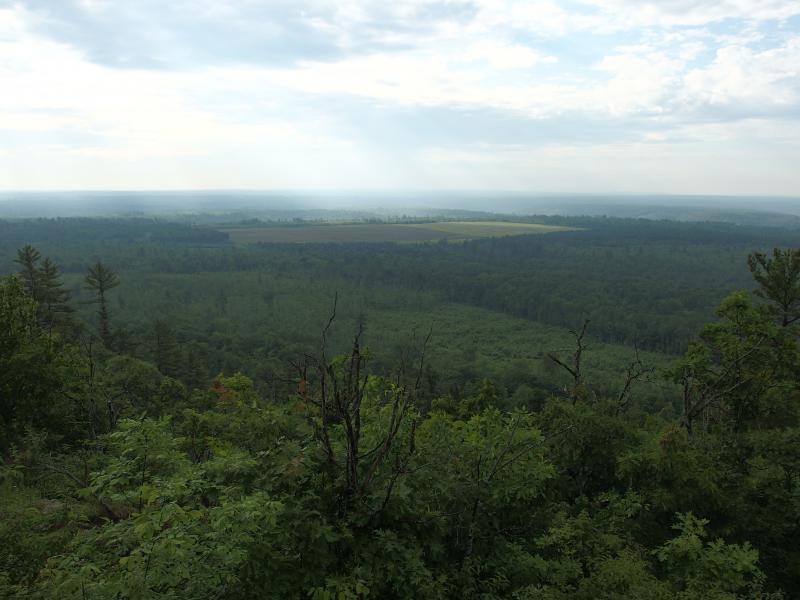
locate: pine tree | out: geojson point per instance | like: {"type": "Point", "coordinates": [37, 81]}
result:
{"type": "Point", "coordinates": [194, 372]}
{"type": "Point", "coordinates": [166, 356]}
{"type": "Point", "coordinates": [54, 308]}
{"type": "Point", "coordinates": [28, 258]}
{"type": "Point", "coordinates": [100, 279]}
{"type": "Point", "coordinates": [778, 278]}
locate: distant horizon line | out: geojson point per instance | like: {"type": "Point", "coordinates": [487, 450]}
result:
{"type": "Point", "coordinates": [388, 192]}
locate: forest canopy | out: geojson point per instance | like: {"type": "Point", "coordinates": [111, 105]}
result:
{"type": "Point", "coordinates": [131, 472]}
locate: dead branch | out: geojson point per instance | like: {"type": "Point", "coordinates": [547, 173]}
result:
{"type": "Point", "coordinates": [575, 368]}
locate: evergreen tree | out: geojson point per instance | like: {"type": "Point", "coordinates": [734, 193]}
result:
{"type": "Point", "coordinates": [194, 372]}
{"type": "Point", "coordinates": [100, 279]}
{"type": "Point", "coordinates": [28, 258]}
{"type": "Point", "coordinates": [166, 355]}
{"type": "Point", "coordinates": [33, 372]}
{"type": "Point", "coordinates": [54, 308]}
{"type": "Point", "coordinates": [778, 279]}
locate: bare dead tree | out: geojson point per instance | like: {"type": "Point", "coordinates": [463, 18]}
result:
{"type": "Point", "coordinates": [574, 369]}
{"type": "Point", "coordinates": [635, 372]}
{"type": "Point", "coordinates": [334, 390]}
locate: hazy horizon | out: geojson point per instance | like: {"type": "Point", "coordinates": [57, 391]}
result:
{"type": "Point", "coordinates": [287, 204]}
{"type": "Point", "coordinates": [334, 192]}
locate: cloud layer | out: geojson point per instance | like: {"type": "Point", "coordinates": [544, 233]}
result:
{"type": "Point", "coordinates": [670, 96]}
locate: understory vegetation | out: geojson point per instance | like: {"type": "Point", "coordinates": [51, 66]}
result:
{"type": "Point", "coordinates": [539, 417]}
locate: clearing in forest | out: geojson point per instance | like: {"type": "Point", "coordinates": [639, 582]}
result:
{"type": "Point", "coordinates": [382, 232]}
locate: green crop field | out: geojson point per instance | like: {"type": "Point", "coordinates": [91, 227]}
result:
{"type": "Point", "coordinates": [376, 232]}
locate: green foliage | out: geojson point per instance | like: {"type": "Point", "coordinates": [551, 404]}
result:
{"type": "Point", "coordinates": [129, 386]}
{"type": "Point", "coordinates": [180, 529]}
{"type": "Point", "coordinates": [28, 259]}
{"type": "Point", "coordinates": [375, 474]}
{"type": "Point", "coordinates": [32, 529]}
{"type": "Point", "coordinates": [34, 370]}
{"type": "Point", "coordinates": [100, 280]}
{"type": "Point", "coordinates": [778, 278]}
{"type": "Point", "coordinates": [728, 374]}
{"type": "Point", "coordinates": [43, 284]}
{"type": "Point", "coordinates": [709, 569]}
{"type": "Point", "coordinates": [54, 303]}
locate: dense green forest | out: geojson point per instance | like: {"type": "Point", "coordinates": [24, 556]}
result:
{"type": "Point", "coordinates": [649, 283]}
{"type": "Point", "coordinates": [603, 413]}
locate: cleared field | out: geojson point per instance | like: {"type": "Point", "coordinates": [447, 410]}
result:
{"type": "Point", "coordinates": [401, 232]}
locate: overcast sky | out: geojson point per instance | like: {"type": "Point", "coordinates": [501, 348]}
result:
{"type": "Point", "coordinates": [664, 96]}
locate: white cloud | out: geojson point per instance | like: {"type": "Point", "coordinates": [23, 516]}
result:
{"type": "Point", "coordinates": [639, 82]}
{"type": "Point", "coordinates": [646, 13]}
{"type": "Point", "coordinates": [500, 55]}
{"type": "Point", "coordinates": [125, 113]}
{"type": "Point", "coordinates": [757, 79]}
{"type": "Point", "coordinates": [675, 80]}
{"type": "Point", "coordinates": [679, 168]}
{"type": "Point", "coordinates": [553, 19]}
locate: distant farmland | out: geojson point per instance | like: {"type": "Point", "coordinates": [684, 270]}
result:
{"type": "Point", "coordinates": [400, 232]}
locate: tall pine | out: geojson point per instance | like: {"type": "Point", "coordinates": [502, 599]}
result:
{"type": "Point", "coordinates": [28, 258]}
{"type": "Point", "coordinates": [167, 354]}
{"type": "Point", "coordinates": [778, 279]}
{"type": "Point", "coordinates": [100, 279]}
{"type": "Point", "coordinates": [54, 308]}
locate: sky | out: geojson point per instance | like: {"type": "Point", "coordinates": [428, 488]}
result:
{"type": "Point", "coordinates": [590, 96]}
